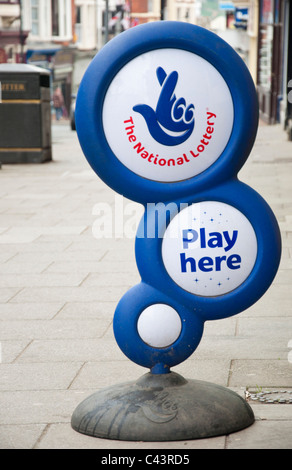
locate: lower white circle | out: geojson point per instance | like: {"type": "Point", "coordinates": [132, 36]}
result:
{"type": "Point", "coordinates": [159, 325]}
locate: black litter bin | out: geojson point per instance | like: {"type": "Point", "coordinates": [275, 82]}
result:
{"type": "Point", "coordinates": [25, 114]}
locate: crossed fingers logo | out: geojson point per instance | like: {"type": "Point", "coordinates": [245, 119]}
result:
{"type": "Point", "coordinates": [173, 121]}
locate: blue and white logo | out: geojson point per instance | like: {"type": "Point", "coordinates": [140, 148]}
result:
{"type": "Point", "coordinates": [167, 115]}
{"type": "Point", "coordinates": [209, 248]}
{"type": "Point", "coordinates": [173, 121]}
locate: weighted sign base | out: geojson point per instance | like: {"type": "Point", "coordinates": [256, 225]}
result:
{"type": "Point", "coordinates": [164, 407]}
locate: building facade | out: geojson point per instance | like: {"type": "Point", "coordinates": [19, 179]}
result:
{"type": "Point", "coordinates": [50, 42]}
{"type": "Point", "coordinates": [183, 10]}
{"type": "Point", "coordinates": [269, 31]}
{"type": "Point", "coordinates": [49, 21]}
{"type": "Point", "coordinates": [274, 62]}
{"type": "Point", "coordinates": [270, 72]}
{"type": "Point", "coordinates": [97, 21]}
{"type": "Point", "coordinates": [13, 33]}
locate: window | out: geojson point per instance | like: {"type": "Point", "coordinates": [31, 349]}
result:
{"type": "Point", "coordinates": [78, 14]}
{"type": "Point", "coordinates": [55, 17]}
{"type": "Point", "coordinates": [78, 28]}
{"type": "Point", "coordinates": [61, 18]}
{"type": "Point", "coordinates": [35, 17]}
{"type": "Point", "coordinates": [51, 19]}
{"type": "Point", "coordinates": [266, 12]}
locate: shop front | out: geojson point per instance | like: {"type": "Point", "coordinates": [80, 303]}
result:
{"type": "Point", "coordinates": [270, 58]}
{"type": "Point", "coordinates": [59, 61]}
{"type": "Point", "coordinates": [274, 70]}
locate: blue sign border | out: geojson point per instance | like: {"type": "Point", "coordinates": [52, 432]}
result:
{"type": "Point", "coordinates": [218, 183]}
{"type": "Point", "coordinates": [124, 48]}
{"type": "Point", "coordinates": [257, 211]}
{"type": "Point", "coordinates": [158, 287]}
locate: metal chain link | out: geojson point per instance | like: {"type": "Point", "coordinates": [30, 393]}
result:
{"type": "Point", "coordinates": [275, 396]}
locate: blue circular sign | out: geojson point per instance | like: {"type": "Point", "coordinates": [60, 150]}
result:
{"type": "Point", "coordinates": [163, 108]}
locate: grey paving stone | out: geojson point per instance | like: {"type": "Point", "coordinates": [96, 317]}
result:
{"type": "Point", "coordinates": [78, 265]}
{"type": "Point", "coordinates": [10, 350]}
{"type": "Point", "coordinates": [225, 326]}
{"type": "Point", "coordinates": [263, 435]}
{"type": "Point", "coordinates": [98, 375]}
{"type": "Point", "coordinates": [241, 348]}
{"type": "Point", "coordinates": [106, 279]}
{"type": "Point", "coordinates": [20, 436]}
{"type": "Point", "coordinates": [71, 350]}
{"type": "Point", "coordinates": [53, 329]}
{"type": "Point", "coordinates": [281, 326]}
{"type": "Point", "coordinates": [37, 376]}
{"type": "Point", "coordinates": [65, 294]}
{"type": "Point", "coordinates": [90, 310]}
{"type": "Point", "coordinates": [14, 267]}
{"type": "Point", "coordinates": [64, 258]}
{"type": "Point", "coordinates": [275, 412]}
{"type": "Point", "coordinates": [43, 280]}
{"type": "Point", "coordinates": [29, 311]}
{"type": "Point", "coordinates": [5, 256]}
{"type": "Point", "coordinates": [7, 293]}
{"type": "Point", "coordinates": [36, 247]}
{"type": "Point", "coordinates": [62, 436]}
{"type": "Point", "coordinates": [261, 373]}
{"type": "Point", "coordinates": [38, 407]}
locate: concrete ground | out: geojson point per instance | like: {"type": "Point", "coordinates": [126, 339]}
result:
{"type": "Point", "coordinates": [59, 286]}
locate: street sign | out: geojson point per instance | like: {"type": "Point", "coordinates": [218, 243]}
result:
{"type": "Point", "coordinates": [209, 248]}
{"type": "Point", "coordinates": [167, 115]}
{"type": "Point", "coordinates": [206, 93]}
{"type": "Point", "coordinates": [167, 127]}
{"type": "Point", "coordinates": [241, 18]}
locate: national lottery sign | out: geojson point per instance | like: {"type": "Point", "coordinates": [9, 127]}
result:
{"type": "Point", "coordinates": [166, 115]}
{"type": "Point", "coordinates": [174, 122]}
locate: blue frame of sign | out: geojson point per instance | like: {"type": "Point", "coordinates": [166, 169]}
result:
{"type": "Point", "coordinates": [218, 183]}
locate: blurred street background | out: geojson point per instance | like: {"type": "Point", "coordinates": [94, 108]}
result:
{"type": "Point", "coordinates": [62, 36]}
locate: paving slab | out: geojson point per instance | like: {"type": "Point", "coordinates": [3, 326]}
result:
{"type": "Point", "coordinates": [54, 329]}
{"type": "Point", "coordinates": [20, 436]}
{"type": "Point", "coordinates": [261, 373]}
{"type": "Point", "coordinates": [61, 436]}
{"type": "Point", "coordinates": [38, 406]}
{"type": "Point", "coordinates": [263, 435]}
{"type": "Point", "coordinates": [38, 376]}
{"type": "Point", "coordinates": [68, 349]}
{"type": "Point", "coordinates": [30, 310]}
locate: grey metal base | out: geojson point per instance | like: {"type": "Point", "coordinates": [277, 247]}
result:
{"type": "Point", "coordinates": [164, 407]}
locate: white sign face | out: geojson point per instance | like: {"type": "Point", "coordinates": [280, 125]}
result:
{"type": "Point", "coordinates": [209, 248]}
{"type": "Point", "coordinates": [168, 115]}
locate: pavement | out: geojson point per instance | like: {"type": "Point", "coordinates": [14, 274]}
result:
{"type": "Point", "coordinates": [59, 285]}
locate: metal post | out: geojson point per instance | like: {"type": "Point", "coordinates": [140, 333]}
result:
{"type": "Point", "coordinates": [162, 5]}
